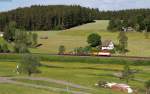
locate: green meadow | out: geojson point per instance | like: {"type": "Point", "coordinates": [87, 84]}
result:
{"type": "Point", "coordinates": [84, 74]}
{"type": "Point", "coordinates": [59, 71]}
{"type": "Point", "coordinates": [77, 36]}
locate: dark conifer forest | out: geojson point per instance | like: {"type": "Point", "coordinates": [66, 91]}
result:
{"type": "Point", "coordinates": [52, 17]}
{"type": "Point", "coordinates": [123, 14]}
{"type": "Point", "coordinates": [59, 17]}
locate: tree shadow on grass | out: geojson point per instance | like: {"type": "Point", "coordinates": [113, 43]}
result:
{"type": "Point", "coordinates": [104, 69]}
{"type": "Point", "coordinates": [91, 68]}
{"type": "Point", "coordinates": [108, 75]}
{"type": "Point", "coordinates": [48, 66]}
{"type": "Point", "coordinates": [8, 76]}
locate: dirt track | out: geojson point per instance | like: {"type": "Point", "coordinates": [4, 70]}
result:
{"type": "Point", "coordinates": [10, 81]}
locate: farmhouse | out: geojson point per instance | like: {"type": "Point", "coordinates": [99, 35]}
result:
{"type": "Point", "coordinates": [127, 29]}
{"type": "Point", "coordinates": [107, 45]}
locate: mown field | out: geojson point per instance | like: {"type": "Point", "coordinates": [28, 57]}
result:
{"type": "Point", "coordinates": [84, 71]}
{"type": "Point", "coordinates": [84, 74]}
{"type": "Point", "coordinates": [77, 36]}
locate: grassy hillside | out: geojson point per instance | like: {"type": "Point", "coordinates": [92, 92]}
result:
{"type": "Point", "coordinates": [76, 37]}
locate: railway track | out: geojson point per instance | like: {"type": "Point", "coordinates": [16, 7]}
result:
{"type": "Point", "coordinates": [123, 57]}
{"type": "Point", "coordinates": [117, 57]}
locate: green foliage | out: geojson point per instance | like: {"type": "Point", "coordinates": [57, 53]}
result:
{"type": "Point", "coordinates": [123, 14]}
{"type": "Point", "coordinates": [61, 49]}
{"type": "Point", "coordinates": [83, 50]}
{"type": "Point", "coordinates": [51, 17]}
{"type": "Point", "coordinates": [79, 51]}
{"type": "Point", "coordinates": [21, 48]}
{"type": "Point", "coordinates": [94, 40]}
{"type": "Point", "coordinates": [138, 23]}
{"type": "Point", "coordinates": [114, 25]}
{"type": "Point", "coordinates": [127, 73]}
{"type": "Point", "coordinates": [21, 41]}
{"type": "Point", "coordinates": [147, 28]}
{"type": "Point", "coordinates": [95, 49]}
{"type": "Point", "coordinates": [29, 64]}
{"type": "Point", "coordinates": [24, 40]}
{"type": "Point", "coordinates": [32, 39]}
{"type": "Point", "coordinates": [147, 86]}
{"type": "Point", "coordinates": [113, 51]}
{"type": "Point", "coordinates": [123, 43]}
{"type": "Point", "coordinates": [9, 31]}
{"type": "Point", "coordinates": [87, 49]}
{"type": "Point", "coordinates": [4, 48]}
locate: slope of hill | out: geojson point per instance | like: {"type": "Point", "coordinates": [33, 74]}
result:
{"type": "Point", "coordinates": [76, 37]}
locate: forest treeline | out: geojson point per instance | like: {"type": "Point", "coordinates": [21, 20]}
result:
{"type": "Point", "coordinates": [52, 17]}
{"type": "Point", "coordinates": [123, 14]}
{"type": "Point", "coordinates": [58, 17]}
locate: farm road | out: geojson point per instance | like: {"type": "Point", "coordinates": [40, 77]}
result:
{"type": "Point", "coordinates": [9, 80]}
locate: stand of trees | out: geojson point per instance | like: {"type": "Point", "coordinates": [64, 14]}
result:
{"type": "Point", "coordinates": [24, 40]}
{"type": "Point", "coordinates": [123, 14]}
{"type": "Point", "coordinates": [138, 23]}
{"type": "Point", "coordinates": [52, 17]}
{"type": "Point", "coordinates": [139, 20]}
{"type": "Point", "coordinates": [58, 17]}
{"type": "Point", "coordinates": [21, 39]}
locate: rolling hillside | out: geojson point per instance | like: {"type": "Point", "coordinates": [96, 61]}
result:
{"type": "Point", "coordinates": [76, 37]}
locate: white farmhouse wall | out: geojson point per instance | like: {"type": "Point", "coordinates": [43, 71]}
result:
{"type": "Point", "coordinates": [109, 47]}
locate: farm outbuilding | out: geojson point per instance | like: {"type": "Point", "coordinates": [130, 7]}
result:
{"type": "Point", "coordinates": [116, 86]}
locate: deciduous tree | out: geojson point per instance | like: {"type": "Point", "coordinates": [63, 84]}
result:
{"type": "Point", "coordinates": [94, 40]}
{"type": "Point", "coordinates": [29, 64]}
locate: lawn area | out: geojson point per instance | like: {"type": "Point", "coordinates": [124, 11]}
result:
{"type": "Point", "coordinates": [77, 36]}
{"type": "Point", "coordinates": [84, 74]}
{"type": "Point", "coordinates": [15, 89]}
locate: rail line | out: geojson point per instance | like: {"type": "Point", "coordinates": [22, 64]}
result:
{"type": "Point", "coordinates": [113, 56]}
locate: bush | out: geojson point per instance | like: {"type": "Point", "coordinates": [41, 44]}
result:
{"type": "Point", "coordinates": [79, 51]}
{"type": "Point", "coordinates": [29, 64]}
{"type": "Point", "coordinates": [4, 48]}
{"type": "Point", "coordinates": [61, 49]}
{"type": "Point", "coordinates": [94, 40]}
{"type": "Point", "coordinates": [21, 48]}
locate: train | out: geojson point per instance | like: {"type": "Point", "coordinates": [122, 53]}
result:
{"type": "Point", "coordinates": [103, 53]}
